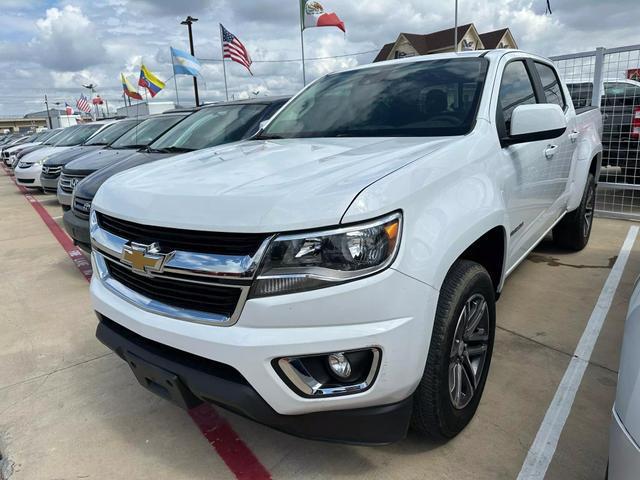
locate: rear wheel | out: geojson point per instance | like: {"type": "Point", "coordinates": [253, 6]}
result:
{"type": "Point", "coordinates": [459, 354]}
{"type": "Point", "coordinates": [574, 229]}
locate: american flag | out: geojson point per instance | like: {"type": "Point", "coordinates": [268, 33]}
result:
{"type": "Point", "coordinates": [83, 104]}
{"type": "Point", "coordinates": [234, 49]}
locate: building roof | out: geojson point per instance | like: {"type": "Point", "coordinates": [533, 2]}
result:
{"type": "Point", "coordinates": [442, 40]}
{"type": "Point", "coordinates": [426, 43]}
{"type": "Point", "coordinates": [384, 52]}
{"type": "Point", "coordinates": [492, 39]}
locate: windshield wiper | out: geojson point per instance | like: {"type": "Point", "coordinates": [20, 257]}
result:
{"type": "Point", "coordinates": [126, 147]}
{"type": "Point", "coordinates": [269, 137]}
{"type": "Point", "coordinates": [173, 150]}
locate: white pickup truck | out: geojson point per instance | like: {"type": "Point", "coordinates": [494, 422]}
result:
{"type": "Point", "coordinates": [335, 276]}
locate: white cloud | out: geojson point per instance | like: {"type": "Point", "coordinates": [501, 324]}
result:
{"type": "Point", "coordinates": [67, 40]}
{"type": "Point", "coordinates": [84, 40]}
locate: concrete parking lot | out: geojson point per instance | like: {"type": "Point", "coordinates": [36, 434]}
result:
{"type": "Point", "coordinates": [70, 409]}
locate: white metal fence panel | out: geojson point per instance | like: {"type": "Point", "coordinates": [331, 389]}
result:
{"type": "Point", "coordinates": [615, 72]}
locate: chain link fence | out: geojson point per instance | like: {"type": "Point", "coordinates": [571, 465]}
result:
{"type": "Point", "coordinates": [615, 72]}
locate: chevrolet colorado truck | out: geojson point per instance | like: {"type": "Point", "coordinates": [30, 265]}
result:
{"type": "Point", "coordinates": [335, 276]}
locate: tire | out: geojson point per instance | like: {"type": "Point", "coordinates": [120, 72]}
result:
{"type": "Point", "coordinates": [574, 229]}
{"type": "Point", "coordinates": [437, 412]}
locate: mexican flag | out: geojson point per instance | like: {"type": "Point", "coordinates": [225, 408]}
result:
{"type": "Point", "coordinates": [313, 15]}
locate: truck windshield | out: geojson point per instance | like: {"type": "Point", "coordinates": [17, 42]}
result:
{"type": "Point", "coordinates": [79, 135]}
{"type": "Point", "coordinates": [209, 127]}
{"type": "Point", "coordinates": [146, 132]}
{"type": "Point", "coordinates": [428, 98]}
{"type": "Point", "coordinates": [112, 132]}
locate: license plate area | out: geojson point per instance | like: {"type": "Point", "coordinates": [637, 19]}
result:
{"type": "Point", "coordinates": [161, 382]}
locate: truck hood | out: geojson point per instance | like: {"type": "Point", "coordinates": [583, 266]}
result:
{"type": "Point", "coordinates": [89, 163]}
{"type": "Point", "coordinates": [88, 187]}
{"type": "Point", "coordinates": [42, 154]}
{"type": "Point", "coordinates": [61, 159]}
{"type": "Point", "coordinates": [259, 185]}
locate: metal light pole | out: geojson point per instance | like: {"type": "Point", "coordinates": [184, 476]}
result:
{"type": "Point", "coordinates": [188, 22]}
{"type": "Point", "coordinates": [455, 29]}
{"type": "Point", "coordinates": [46, 103]}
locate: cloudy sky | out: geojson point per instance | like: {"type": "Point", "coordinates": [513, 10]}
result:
{"type": "Point", "coordinates": [55, 46]}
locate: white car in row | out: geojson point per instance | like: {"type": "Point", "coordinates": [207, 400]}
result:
{"type": "Point", "coordinates": [29, 168]}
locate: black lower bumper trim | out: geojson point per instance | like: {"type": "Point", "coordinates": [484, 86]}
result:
{"type": "Point", "coordinates": [187, 379]}
{"type": "Point", "coordinates": [78, 229]}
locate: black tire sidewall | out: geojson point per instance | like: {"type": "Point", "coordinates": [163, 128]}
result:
{"type": "Point", "coordinates": [454, 420]}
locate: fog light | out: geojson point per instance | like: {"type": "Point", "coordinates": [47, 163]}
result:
{"type": "Point", "coordinates": [330, 374]}
{"type": "Point", "coordinates": [339, 365]}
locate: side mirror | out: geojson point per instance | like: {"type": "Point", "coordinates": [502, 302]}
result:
{"type": "Point", "coordinates": [263, 124]}
{"type": "Point", "coordinates": [530, 123]}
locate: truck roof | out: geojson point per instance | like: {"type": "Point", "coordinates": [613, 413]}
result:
{"type": "Point", "coordinates": [495, 53]}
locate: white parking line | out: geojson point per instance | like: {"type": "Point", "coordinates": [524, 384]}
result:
{"type": "Point", "coordinates": [544, 446]}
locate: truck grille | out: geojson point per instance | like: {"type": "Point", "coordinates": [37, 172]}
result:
{"type": "Point", "coordinates": [51, 172]}
{"type": "Point", "coordinates": [69, 182]}
{"type": "Point", "coordinates": [203, 297]}
{"type": "Point", "coordinates": [186, 240]}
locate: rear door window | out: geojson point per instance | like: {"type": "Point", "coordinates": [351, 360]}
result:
{"type": "Point", "coordinates": [551, 85]}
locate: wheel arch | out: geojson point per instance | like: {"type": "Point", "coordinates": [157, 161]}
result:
{"type": "Point", "coordinates": [489, 250]}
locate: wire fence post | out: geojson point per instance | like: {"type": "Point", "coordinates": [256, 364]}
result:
{"type": "Point", "coordinates": [598, 80]}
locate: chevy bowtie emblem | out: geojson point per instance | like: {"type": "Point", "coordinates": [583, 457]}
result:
{"type": "Point", "coordinates": [144, 259]}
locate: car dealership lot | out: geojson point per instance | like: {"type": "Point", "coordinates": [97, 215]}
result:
{"type": "Point", "coordinates": [71, 409]}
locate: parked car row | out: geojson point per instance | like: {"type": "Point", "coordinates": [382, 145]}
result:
{"type": "Point", "coordinates": [72, 163]}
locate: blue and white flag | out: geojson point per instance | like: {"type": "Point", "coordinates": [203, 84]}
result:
{"type": "Point", "coordinates": [184, 63]}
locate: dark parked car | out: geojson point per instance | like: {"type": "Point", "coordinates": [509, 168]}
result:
{"type": "Point", "coordinates": [620, 106]}
{"type": "Point", "coordinates": [52, 167]}
{"type": "Point", "coordinates": [136, 138]}
{"type": "Point", "coordinates": [209, 126]}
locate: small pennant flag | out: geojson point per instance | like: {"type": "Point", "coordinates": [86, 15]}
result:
{"type": "Point", "coordinates": [313, 15]}
{"type": "Point", "coordinates": [128, 89]}
{"type": "Point", "coordinates": [149, 81]}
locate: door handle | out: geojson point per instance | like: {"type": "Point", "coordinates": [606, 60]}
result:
{"type": "Point", "coordinates": [573, 136]}
{"type": "Point", "coordinates": [550, 151]}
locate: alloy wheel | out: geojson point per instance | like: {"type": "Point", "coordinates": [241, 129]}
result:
{"type": "Point", "coordinates": [468, 351]}
{"type": "Point", "coordinates": [588, 210]}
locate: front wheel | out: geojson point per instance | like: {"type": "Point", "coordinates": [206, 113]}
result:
{"type": "Point", "coordinates": [459, 354]}
{"type": "Point", "coordinates": [574, 230]}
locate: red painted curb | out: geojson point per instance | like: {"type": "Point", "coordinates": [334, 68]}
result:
{"type": "Point", "coordinates": [235, 453]}
{"type": "Point", "coordinates": [220, 435]}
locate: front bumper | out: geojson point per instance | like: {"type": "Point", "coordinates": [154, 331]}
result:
{"type": "Point", "coordinates": [78, 230]}
{"type": "Point", "coordinates": [30, 176]}
{"type": "Point", "coordinates": [624, 452]}
{"type": "Point", "coordinates": [64, 198]}
{"type": "Point", "coordinates": [389, 310]}
{"type": "Point", "coordinates": [191, 380]}
{"type": "Point", "coordinates": [49, 185]}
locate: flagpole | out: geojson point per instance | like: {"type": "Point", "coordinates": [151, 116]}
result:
{"type": "Point", "coordinates": [224, 67]}
{"type": "Point", "coordinates": [175, 81]}
{"type": "Point", "coordinates": [304, 75]}
{"type": "Point", "coordinates": [455, 29]}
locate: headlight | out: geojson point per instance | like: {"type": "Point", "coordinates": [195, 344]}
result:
{"type": "Point", "coordinates": [306, 261]}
